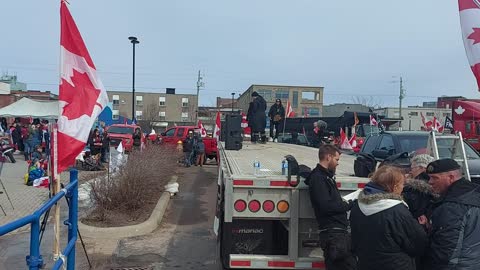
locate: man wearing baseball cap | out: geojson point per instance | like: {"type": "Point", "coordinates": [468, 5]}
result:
{"type": "Point", "coordinates": [455, 231]}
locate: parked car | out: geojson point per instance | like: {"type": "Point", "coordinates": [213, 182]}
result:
{"type": "Point", "coordinates": [179, 133]}
{"type": "Point", "coordinates": [123, 133]}
{"type": "Point", "coordinates": [386, 144]}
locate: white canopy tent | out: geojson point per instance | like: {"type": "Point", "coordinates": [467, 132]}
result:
{"type": "Point", "coordinates": [26, 107]}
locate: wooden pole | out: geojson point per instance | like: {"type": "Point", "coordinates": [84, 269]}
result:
{"type": "Point", "coordinates": [56, 189]}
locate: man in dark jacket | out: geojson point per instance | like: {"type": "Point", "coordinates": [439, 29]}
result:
{"type": "Point", "coordinates": [455, 232]}
{"type": "Point", "coordinates": [257, 117]}
{"type": "Point", "coordinates": [276, 115]}
{"type": "Point", "coordinates": [331, 211]}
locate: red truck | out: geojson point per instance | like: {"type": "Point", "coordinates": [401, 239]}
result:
{"type": "Point", "coordinates": [179, 133]}
{"type": "Point", "coordinates": [466, 118]}
{"type": "Point", "coordinates": [123, 133]}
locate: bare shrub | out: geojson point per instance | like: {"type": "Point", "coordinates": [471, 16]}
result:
{"type": "Point", "coordinates": [140, 181]}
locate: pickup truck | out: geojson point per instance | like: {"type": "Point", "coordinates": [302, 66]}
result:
{"type": "Point", "coordinates": [179, 133]}
{"type": "Point", "coordinates": [123, 133]}
{"type": "Point", "coordinates": [385, 144]}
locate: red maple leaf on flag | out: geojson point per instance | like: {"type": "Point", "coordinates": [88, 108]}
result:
{"type": "Point", "coordinates": [475, 36]}
{"type": "Point", "coordinates": [81, 97]}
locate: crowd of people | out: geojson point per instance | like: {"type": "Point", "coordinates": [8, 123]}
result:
{"type": "Point", "coordinates": [193, 150]}
{"type": "Point", "coordinates": [424, 218]}
{"type": "Point", "coordinates": [27, 138]}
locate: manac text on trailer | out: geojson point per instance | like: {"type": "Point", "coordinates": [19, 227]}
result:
{"type": "Point", "coordinates": [263, 222]}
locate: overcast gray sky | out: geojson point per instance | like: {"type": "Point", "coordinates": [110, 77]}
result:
{"type": "Point", "coordinates": [352, 48]}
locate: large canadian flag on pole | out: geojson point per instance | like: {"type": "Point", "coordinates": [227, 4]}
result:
{"type": "Point", "coordinates": [470, 23]}
{"type": "Point", "coordinates": [82, 95]}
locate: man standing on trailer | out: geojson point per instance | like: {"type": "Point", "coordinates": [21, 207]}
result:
{"type": "Point", "coordinates": [256, 115]}
{"type": "Point", "coordinates": [331, 211]}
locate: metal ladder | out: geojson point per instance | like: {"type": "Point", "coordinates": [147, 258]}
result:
{"type": "Point", "coordinates": [455, 149]}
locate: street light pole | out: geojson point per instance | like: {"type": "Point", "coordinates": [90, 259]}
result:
{"type": "Point", "coordinates": [233, 97]}
{"type": "Point", "coordinates": [134, 41]}
{"type": "Point", "coordinates": [401, 97]}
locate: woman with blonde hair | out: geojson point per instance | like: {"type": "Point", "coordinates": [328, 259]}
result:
{"type": "Point", "coordinates": [384, 234]}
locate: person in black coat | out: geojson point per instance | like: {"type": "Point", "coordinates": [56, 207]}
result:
{"type": "Point", "coordinates": [331, 211]}
{"type": "Point", "coordinates": [16, 136]}
{"type": "Point", "coordinates": [258, 118]}
{"type": "Point", "coordinates": [455, 231]}
{"type": "Point", "coordinates": [385, 236]}
{"type": "Point", "coordinates": [276, 115]}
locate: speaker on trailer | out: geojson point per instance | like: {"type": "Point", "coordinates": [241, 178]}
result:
{"type": "Point", "coordinates": [223, 131]}
{"type": "Point", "coordinates": [233, 132]}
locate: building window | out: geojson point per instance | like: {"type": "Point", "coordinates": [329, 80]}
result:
{"type": "Point", "coordinates": [139, 100]}
{"type": "Point", "coordinates": [266, 94]}
{"type": "Point", "coordinates": [184, 116]}
{"type": "Point", "coordinates": [161, 114]}
{"type": "Point", "coordinates": [295, 99]}
{"type": "Point", "coordinates": [282, 94]}
{"type": "Point", "coordinates": [413, 113]}
{"type": "Point", "coordinates": [430, 114]}
{"type": "Point", "coordinates": [184, 102]}
{"type": "Point", "coordinates": [138, 115]}
{"type": "Point", "coordinates": [115, 114]}
{"type": "Point", "coordinates": [115, 99]}
{"type": "Point", "coordinates": [161, 101]}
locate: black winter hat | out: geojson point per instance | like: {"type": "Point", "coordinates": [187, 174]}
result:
{"type": "Point", "coordinates": [442, 165]}
{"type": "Point", "coordinates": [255, 94]}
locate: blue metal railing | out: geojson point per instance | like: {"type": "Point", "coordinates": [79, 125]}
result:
{"type": "Point", "coordinates": [35, 260]}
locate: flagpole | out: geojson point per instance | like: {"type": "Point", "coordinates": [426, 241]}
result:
{"type": "Point", "coordinates": [56, 189]}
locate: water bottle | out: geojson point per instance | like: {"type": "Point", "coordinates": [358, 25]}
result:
{"type": "Point", "coordinates": [256, 166]}
{"type": "Point", "coordinates": [284, 166]}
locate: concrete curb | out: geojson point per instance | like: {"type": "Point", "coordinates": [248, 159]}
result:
{"type": "Point", "coordinates": [143, 228]}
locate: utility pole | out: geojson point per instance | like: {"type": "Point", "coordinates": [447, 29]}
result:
{"type": "Point", "coordinates": [400, 98]}
{"type": "Point", "coordinates": [233, 100]}
{"type": "Point", "coordinates": [199, 84]}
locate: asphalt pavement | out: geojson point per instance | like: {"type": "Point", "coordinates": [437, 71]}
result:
{"type": "Point", "coordinates": [185, 239]}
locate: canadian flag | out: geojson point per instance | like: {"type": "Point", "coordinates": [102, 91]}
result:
{"type": "Point", "coordinates": [203, 131]}
{"type": "Point", "coordinates": [289, 113]}
{"type": "Point", "coordinates": [216, 130]}
{"type": "Point", "coordinates": [373, 121]}
{"type": "Point", "coordinates": [82, 95]}
{"type": "Point", "coordinates": [437, 125]}
{"type": "Point", "coordinates": [246, 129]}
{"type": "Point", "coordinates": [470, 24]}
{"type": "Point", "coordinates": [344, 143]}
{"type": "Point", "coordinates": [353, 139]}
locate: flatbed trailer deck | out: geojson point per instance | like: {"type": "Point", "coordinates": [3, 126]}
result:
{"type": "Point", "coordinates": [253, 234]}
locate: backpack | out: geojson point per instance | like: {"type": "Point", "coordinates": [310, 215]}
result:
{"type": "Point", "coordinates": [364, 165]}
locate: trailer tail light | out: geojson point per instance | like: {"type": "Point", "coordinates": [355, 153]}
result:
{"type": "Point", "coordinates": [268, 206]}
{"type": "Point", "coordinates": [282, 206]}
{"type": "Point", "coordinates": [240, 205]}
{"type": "Point", "coordinates": [254, 206]}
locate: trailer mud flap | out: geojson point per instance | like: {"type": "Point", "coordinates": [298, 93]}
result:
{"type": "Point", "coordinates": [261, 237]}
